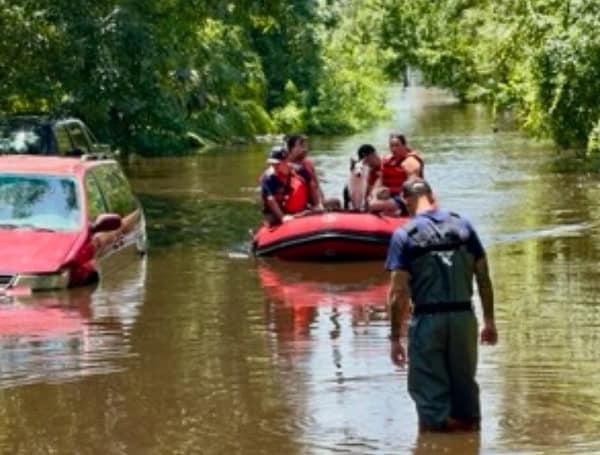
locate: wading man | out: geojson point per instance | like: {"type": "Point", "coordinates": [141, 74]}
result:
{"type": "Point", "coordinates": [433, 260]}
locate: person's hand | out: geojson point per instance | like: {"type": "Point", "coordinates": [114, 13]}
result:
{"type": "Point", "coordinates": [383, 193]}
{"type": "Point", "coordinates": [397, 353]}
{"type": "Point", "coordinates": [287, 218]}
{"type": "Point", "coordinates": [489, 334]}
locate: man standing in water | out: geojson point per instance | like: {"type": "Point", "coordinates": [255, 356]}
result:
{"type": "Point", "coordinates": [432, 260]}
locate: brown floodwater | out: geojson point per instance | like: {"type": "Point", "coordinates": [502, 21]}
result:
{"type": "Point", "coordinates": [200, 348]}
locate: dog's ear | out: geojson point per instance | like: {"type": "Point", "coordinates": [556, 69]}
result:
{"type": "Point", "coordinates": [352, 164]}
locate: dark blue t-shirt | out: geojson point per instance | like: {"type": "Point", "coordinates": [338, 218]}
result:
{"type": "Point", "coordinates": [270, 184]}
{"type": "Point", "coordinates": [398, 256]}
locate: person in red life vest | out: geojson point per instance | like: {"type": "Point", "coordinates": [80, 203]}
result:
{"type": "Point", "coordinates": [402, 164]}
{"type": "Point", "coordinates": [285, 191]}
{"type": "Point", "coordinates": [297, 155]}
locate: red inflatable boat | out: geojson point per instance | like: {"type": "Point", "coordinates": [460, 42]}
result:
{"type": "Point", "coordinates": [328, 236]}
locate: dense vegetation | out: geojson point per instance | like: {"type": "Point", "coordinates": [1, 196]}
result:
{"type": "Point", "coordinates": [145, 73]}
{"type": "Point", "coordinates": [538, 58]}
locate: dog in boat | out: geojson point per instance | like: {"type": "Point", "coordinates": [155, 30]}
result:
{"type": "Point", "coordinates": [355, 192]}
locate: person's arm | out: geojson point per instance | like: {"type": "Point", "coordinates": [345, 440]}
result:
{"type": "Point", "coordinates": [398, 294]}
{"type": "Point", "coordinates": [319, 193]}
{"type": "Point", "coordinates": [307, 172]}
{"type": "Point", "coordinates": [489, 334]}
{"type": "Point", "coordinates": [368, 192]}
{"type": "Point", "coordinates": [378, 182]}
{"type": "Point", "coordinates": [372, 182]}
{"type": "Point", "coordinates": [315, 195]}
{"type": "Point", "coordinates": [412, 166]}
{"type": "Point", "coordinates": [398, 302]}
{"type": "Point", "coordinates": [276, 210]}
{"type": "Point", "coordinates": [270, 186]}
{"type": "Point", "coordinates": [484, 286]}
{"type": "Point", "coordinates": [399, 306]}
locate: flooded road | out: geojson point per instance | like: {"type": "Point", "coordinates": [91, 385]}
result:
{"type": "Point", "coordinates": [199, 348]}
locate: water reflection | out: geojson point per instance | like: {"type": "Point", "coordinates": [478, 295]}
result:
{"type": "Point", "coordinates": [54, 337]}
{"type": "Point", "coordinates": [199, 221]}
{"type": "Point", "coordinates": [329, 329]}
{"type": "Point", "coordinates": [299, 294]}
{"type": "Point", "coordinates": [457, 443]}
{"type": "Point", "coordinates": [236, 355]}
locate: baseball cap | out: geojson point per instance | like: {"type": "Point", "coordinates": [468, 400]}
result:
{"type": "Point", "coordinates": [276, 155]}
{"type": "Point", "coordinates": [415, 187]}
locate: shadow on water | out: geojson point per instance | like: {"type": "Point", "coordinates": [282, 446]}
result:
{"type": "Point", "coordinates": [211, 223]}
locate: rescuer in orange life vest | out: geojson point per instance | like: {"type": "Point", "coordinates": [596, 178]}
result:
{"type": "Point", "coordinates": [285, 191]}
{"type": "Point", "coordinates": [396, 168]}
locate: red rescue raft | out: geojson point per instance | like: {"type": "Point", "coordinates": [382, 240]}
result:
{"type": "Point", "coordinates": [328, 236]}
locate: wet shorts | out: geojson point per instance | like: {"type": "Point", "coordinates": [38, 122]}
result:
{"type": "Point", "coordinates": [398, 201]}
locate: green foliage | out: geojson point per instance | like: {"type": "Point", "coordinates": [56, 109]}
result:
{"type": "Point", "coordinates": [145, 73]}
{"type": "Point", "coordinates": [567, 75]}
{"type": "Point", "coordinates": [538, 58]}
{"type": "Point", "coordinates": [351, 90]}
{"type": "Point", "coordinates": [224, 87]}
{"type": "Point", "coordinates": [289, 45]}
{"type": "Point", "coordinates": [289, 117]}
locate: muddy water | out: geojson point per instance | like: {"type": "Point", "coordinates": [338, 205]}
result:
{"type": "Point", "coordinates": [201, 349]}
